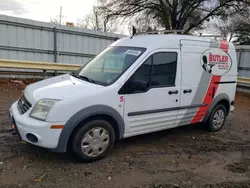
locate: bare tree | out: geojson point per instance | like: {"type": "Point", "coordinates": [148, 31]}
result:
{"type": "Point", "coordinates": [95, 20]}
{"type": "Point", "coordinates": [58, 20]}
{"type": "Point", "coordinates": [83, 23]}
{"type": "Point", "coordinates": [235, 28]}
{"type": "Point", "coordinates": [55, 21]}
{"type": "Point", "coordinates": [144, 24]}
{"type": "Point", "coordinates": [174, 14]}
{"type": "Point", "coordinates": [242, 31]}
{"type": "Point", "coordinates": [226, 28]}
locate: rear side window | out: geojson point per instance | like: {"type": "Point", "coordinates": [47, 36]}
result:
{"type": "Point", "coordinates": [164, 69]}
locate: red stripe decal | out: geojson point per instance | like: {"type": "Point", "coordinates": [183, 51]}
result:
{"type": "Point", "coordinates": [211, 88]}
{"type": "Point", "coordinates": [207, 99]}
{"type": "Point", "coordinates": [224, 45]}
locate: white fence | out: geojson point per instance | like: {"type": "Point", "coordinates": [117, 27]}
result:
{"type": "Point", "coordinates": [243, 53]}
{"type": "Point", "coordinates": [23, 39]}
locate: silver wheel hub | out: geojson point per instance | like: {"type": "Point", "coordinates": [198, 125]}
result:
{"type": "Point", "coordinates": [218, 119]}
{"type": "Point", "coordinates": [95, 142]}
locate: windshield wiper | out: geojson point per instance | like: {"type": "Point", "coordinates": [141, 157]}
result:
{"type": "Point", "coordinates": [87, 78]}
{"type": "Point", "coordinates": [83, 78]}
{"type": "Point", "coordinates": [73, 73]}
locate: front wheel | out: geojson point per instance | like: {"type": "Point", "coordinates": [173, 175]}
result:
{"type": "Point", "coordinates": [93, 140]}
{"type": "Point", "coordinates": [217, 118]}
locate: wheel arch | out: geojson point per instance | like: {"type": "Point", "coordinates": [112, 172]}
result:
{"type": "Point", "coordinates": [94, 112]}
{"type": "Point", "coordinates": [220, 99]}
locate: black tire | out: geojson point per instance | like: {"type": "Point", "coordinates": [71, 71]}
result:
{"type": "Point", "coordinates": [209, 123]}
{"type": "Point", "coordinates": [79, 135]}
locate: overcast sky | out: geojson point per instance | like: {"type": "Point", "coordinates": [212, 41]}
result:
{"type": "Point", "coordinates": [45, 10]}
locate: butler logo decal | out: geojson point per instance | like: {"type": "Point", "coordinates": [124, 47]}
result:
{"type": "Point", "coordinates": [216, 61]}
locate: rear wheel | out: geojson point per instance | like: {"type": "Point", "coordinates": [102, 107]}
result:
{"type": "Point", "coordinates": [217, 118]}
{"type": "Point", "coordinates": [93, 140]}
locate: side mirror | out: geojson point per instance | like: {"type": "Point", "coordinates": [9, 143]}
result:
{"type": "Point", "coordinates": [138, 86]}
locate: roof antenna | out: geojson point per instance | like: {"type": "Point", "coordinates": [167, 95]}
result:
{"type": "Point", "coordinates": [133, 32]}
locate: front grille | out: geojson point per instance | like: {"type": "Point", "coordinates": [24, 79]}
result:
{"type": "Point", "coordinates": [23, 105]}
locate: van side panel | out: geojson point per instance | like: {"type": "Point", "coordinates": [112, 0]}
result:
{"type": "Point", "coordinates": [205, 81]}
{"type": "Point", "coordinates": [194, 78]}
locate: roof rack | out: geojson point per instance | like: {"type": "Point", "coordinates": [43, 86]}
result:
{"type": "Point", "coordinates": [175, 31]}
{"type": "Point", "coordinates": [156, 32]}
{"type": "Point", "coordinates": [211, 35]}
{"type": "Point", "coordinates": [214, 36]}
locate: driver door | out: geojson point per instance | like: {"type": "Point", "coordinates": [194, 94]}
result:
{"type": "Point", "coordinates": [155, 108]}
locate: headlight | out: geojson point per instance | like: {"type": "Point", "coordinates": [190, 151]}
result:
{"type": "Point", "coordinates": [42, 108]}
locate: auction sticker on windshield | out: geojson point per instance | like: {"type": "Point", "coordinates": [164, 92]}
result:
{"type": "Point", "coordinates": [133, 52]}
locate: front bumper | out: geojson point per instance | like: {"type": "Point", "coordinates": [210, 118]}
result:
{"type": "Point", "coordinates": [47, 138]}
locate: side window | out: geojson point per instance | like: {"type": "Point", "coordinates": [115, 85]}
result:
{"type": "Point", "coordinates": [157, 71]}
{"type": "Point", "coordinates": [164, 69]}
{"type": "Point", "coordinates": [143, 72]}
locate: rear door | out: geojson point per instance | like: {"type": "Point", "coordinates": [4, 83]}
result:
{"type": "Point", "coordinates": [195, 82]}
{"type": "Point", "coordinates": [157, 107]}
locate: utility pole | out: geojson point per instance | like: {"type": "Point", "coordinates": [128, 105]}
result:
{"type": "Point", "coordinates": [60, 15]}
{"type": "Point", "coordinates": [59, 41]}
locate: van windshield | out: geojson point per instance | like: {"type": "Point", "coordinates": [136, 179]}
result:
{"type": "Point", "coordinates": [109, 65]}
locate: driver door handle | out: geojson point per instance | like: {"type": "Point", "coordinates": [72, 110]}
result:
{"type": "Point", "coordinates": [173, 92]}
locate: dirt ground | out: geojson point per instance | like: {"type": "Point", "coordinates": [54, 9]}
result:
{"type": "Point", "coordinates": [184, 157]}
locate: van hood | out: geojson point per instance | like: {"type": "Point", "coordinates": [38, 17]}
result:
{"type": "Point", "coordinates": [59, 87]}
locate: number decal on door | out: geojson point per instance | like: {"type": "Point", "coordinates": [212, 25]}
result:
{"type": "Point", "coordinates": [121, 98]}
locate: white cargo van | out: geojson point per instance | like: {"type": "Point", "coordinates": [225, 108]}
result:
{"type": "Point", "coordinates": [137, 85]}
